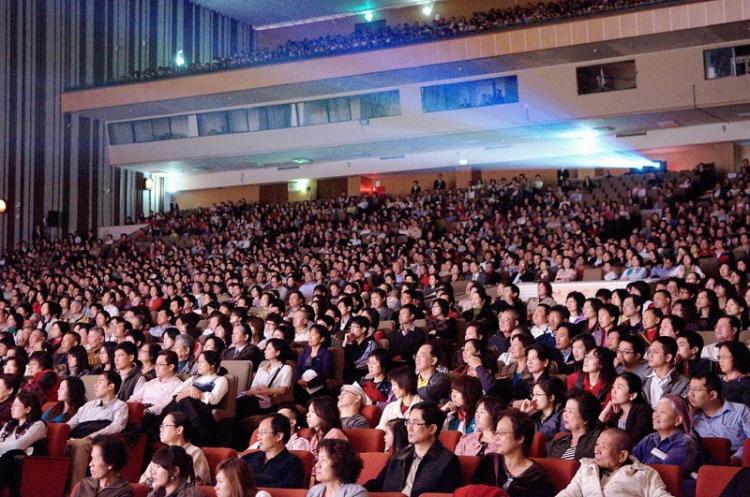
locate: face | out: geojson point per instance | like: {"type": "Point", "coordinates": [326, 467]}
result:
{"type": "Point", "coordinates": [579, 350]}
{"type": "Point", "coordinates": [698, 395]}
{"type": "Point", "coordinates": [123, 360]}
{"type": "Point", "coordinates": [572, 417]}
{"type": "Point", "coordinates": [169, 434]}
{"type": "Point", "coordinates": [540, 399]}
{"type": "Point", "coordinates": [34, 368]}
{"type": "Point", "coordinates": [222, 486]}
{"type": "Point", "coordinates": [606, 452]}
{"type": "Point", "coordinates": [507, 443]}
{"type": "Point", "coordinates": [99, 469]}
{"type": "Point", "coordinates": [591, 362]}
{"type": "Point", "coordinates": [62, 391]}
{"type": "Point", "coordinates": [665, 417]}
{"type": "Point", "coordinates": [423, 359]}
{"type": "Point", "coordinates": [621, 394]}
{"type": "Point", "coordinates": [324, 468]}
{"type": "Point", "coordinates": [562, 338]}
{"type": "Point", "coordinates": [533, 363]}
{"type": "Point", "coordinates": [266, 438]}
{"type": "Point", "coordinates": [724, 331]}
{"type": "Point", "coordinates": [19, 411]}
{"type": "Point", "coordinates": [416, 428]}
{"type": "Point", "coordinates": [656, 355]}
{"type": "Point", "coordinates": [726, 361]}
{"type": "Point", "coordinates": [313, 420]}
{"type": "Point", "coordinates": [373, 367]}
{"type": "Point", "coordinates": [650, 320]}
{"type": "Point", "coordinates": [160, 476]}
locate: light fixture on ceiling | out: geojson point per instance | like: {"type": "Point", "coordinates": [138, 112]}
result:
{"type": "Point", "coordinates": [463, 162]}
{"type": "Point", "coordinates": [3, 206]}
{"type": "Point", "coordinates": [427, 9]}
{"type": "Point", "coordinates": [302, 160]}
{"type": "Point", "coordinates": [368, 15]}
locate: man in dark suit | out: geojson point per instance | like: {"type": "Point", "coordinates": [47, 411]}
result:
{"type": "Point", "coordinates": [439, 183]}
{"type": "Point", "coordinates": [242, 349]}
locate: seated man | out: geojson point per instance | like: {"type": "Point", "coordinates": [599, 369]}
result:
{"type": "Point", "coordinates": [242, 349]}
{"type": "Point", "coordinates": [156, 394]}
{"type": "Point", "coordinates": [105, 415]}
{"type": "Point", "coordinates": [351, 400]}
{"type": "Point", "coordinates": [715, 417]}
{"type": "Point", "coordinates": [273, 465]}
{"type": "Point", "coordinates": [132, 379]}
{"type": "Point", "coordinates": [424, 465]}
{"type": "Point", "coordinates": [613, 472]}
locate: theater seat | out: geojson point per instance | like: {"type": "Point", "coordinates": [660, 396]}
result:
{"type": "Point", "coordinates": [372, 414]}
{"type": "Point", "coordinates": [374, 462]}
{"type": "Point", "coordinates": [133, 469]}
{"type": "Point", "coordinates": [136, 411]}
{"type": "Point", "coordinates": [382, 494]}
{"type": "Point", "coordinates": [308, 461]}
{"type": "Point", "coordinates": [366, 439]}
{"type": "Point", "coordinates": [214, 455]}
{"type": "Point", "coordinates": [449, 439]}
{"type": "Point", "coordinates": [54, 466]}
{"type": "Point", "coordinates": [718, 449]}
{"type": "Point", "coordinates": [559, 471]}
{"type": "Point", "coordinates": [434, 494]}
{"type": "Point", "coordinates": [206, 491]}
{"type": "Point", "coordinates": [746, 454]}
{"type": "Point", "coordinates": [57, 437]}
{"type": "Point", "coordinates": [468, 466]}
{"type": "Point", "coordinates": [538, 446]}
{"type": "Point", "coordinates": [672, 477]}
{"type": "Point", "coordinates": [712, 480]}
{"type": "Point", "coordinates": [139, 490]}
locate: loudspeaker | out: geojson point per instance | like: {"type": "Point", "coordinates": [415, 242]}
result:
{"type": "Point", "coordinates": [54, 219]}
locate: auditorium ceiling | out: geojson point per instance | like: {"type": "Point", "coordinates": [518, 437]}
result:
{"type": "Point", "coordinates": [262, 13]}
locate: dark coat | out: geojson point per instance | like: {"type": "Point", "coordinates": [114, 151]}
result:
{"type": "Point", "coordinates": [639, 422]}
{"type": "Point", "coordinates": [585, 447]}
{"type": "Point", "coordinates": [439, 471]}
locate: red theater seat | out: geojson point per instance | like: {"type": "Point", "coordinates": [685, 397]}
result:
{"type": "Point", "coordinates": [54, 466]}
{"type": "Point", "coordinates": [285, 492]}
{"type": "Point", "coordinates": [746, 454]}
{"type": "Point", "coordinates": [449, 439]}
{"type": "Point", "coordinates": [133, 469]}
{"type": "Point", "coordinates": [672, 477]}
{"type": "Point", "coordinates": [214, 455]}
{"type": "Point", "coordinates": [468, 466]}
{"type": "Point", "coordinates": [308, 461]}
{"type": "Point", "coordinates": [718, 449]}
{"type": "Point", "coordinates": [559, 471]}
{"type": "Point", "coordinates": [372, 414]}
{"type": "Point", "coordinates": [366, 439]}
{"type": "Point", "coordinates": [374, 462]}
{"type": "Point", "coordinates": [712, 480]}
{"type": "Point", "coordinates": [538, 446]}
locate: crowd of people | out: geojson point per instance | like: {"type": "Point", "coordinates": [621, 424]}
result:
{"type": "Point", "coordinates": [391, 36]}
{"type": "Point", "coordinates": [400, 291]}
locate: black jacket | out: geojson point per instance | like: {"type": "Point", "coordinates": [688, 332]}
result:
{"type": "Point", "coordinates": [439, 471]}
{"type": "Point", "coordinates": [585, 447]}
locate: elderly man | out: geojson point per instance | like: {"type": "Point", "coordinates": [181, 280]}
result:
{"type": "Point", "coordinates": [612, 472]}
{"type": "Point", "coordinates": [351, 400]}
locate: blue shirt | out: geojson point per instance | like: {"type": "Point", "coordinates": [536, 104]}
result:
{"type": "Point", "coordinates": [731, 422]}
{"type": "Point", "coordinates": [678, 448]}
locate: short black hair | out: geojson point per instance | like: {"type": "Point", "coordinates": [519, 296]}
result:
{"type": "Point", "coordinates": [712, 380]}
{"type": "Point", "coordinates": [523, 426]}
{"type": "Point", "coordinates": [170, 356]}
{"type": "Point", "coordinates": [113, 448]}
{"type": "Point", "coordinates": [113, 378]}
{"type": "Point", "coordinates": [281, 424]}
{"type": "Point", "coordinates": [129, 348]}
{"type": "Point", "coordinates": [431, 414]}
{"type": "Point", "coordinates": [345, 461]}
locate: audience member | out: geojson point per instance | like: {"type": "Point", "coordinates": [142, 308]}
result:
{"type": "Point", "coordinates": [580, 419]}
{"type": "Point", "coordinates": [628, 409]}
{"type": "Point", "coordinates": [404, 387]}
{"type": "Point", "coordinates": [71, 396]}
{"type": "Point", "coordinates": [20, 436]}
{"type": "Point", "coordinates": [273, 465]}
{"type": "Point", "coordinates": [235, 479]}
{"type": "Point", "coordinates": [109, 454]}
{"type": "Point", "coordinates": [664, 377]}
{"type": "Point", "coordinates": [172, 473]}
{"type": "Point", "coordinates": [350, 402]}
{"type": "Point", "coordinates": [337, 469]}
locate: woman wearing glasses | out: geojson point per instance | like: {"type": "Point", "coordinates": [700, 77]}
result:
{"type": "Point", "coordinates": [510, 467]}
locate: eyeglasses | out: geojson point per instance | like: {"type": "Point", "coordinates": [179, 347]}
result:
{"type": "Point", "coordinates": [167, 426]}
{"type": "Point", "coordinates": [265, 432]}
{"type": "Point", "coordinates": [694, 389]}
{"type": "Point", "coordinates": [625, 352]}
{"type": "Point", "coordinates": [414, 422]}
{"type": "Point", "coordinates": [161, 364]}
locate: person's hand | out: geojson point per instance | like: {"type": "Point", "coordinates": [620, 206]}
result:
{"type": "Point", "coordinates": [449, 407]}
{"type": "Point", "coordinates": [474, 362]}
{"type": "Point", "coordinates": [302, 383]}
{"type": "Point", "coordinates": [528, 406]}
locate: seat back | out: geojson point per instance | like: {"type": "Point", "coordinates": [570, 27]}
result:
{"type": "Point", "coordinates": [449, 439]}
{"type": "Point", "coordinates": [560, 472]}
{"type": "Point", "coordinates": [712, 480]}
{"type": "Point", "coordinates": [136, 411]}
{"type": "Point", "coordinates": [214, 455]}
{"type": "Point", "coordinates": [366, 439]}
{"type": "Point", "coordinates": [672, 477]}
{"type": "Point", "coordinates": [538, 446]}
{"type": "Point", "coordinates": [133, 469]}
{"type": "Point", "coordinates": [718, 449]}
{"type": "Point", "coordinates": [374, 462]}
{"type": "Point", "coordinates": [206, 490]}
{"type": "Point", "coordinates": [308, 461]}
{"type": "Point", "coordinates": [88, 384]}
{"type": "Point", "coordinates": [468, 466]}
{"type": "Point", "coordinates": [337, 354]}
{"type": "Point", "coordinates": [139, 490]}
{"type": "Point", "coordinates": [44, 476]}
{"type": "Point", "coordinates": [243, 370]}
{"type": "Point", "coordinates": [372, 414]}
{"type": "Point", "coordinates": [228, 405]}
{"type": "Point", "coordinates": [57, 437]}
{"type": "Point", "coordinates": [746, 453]}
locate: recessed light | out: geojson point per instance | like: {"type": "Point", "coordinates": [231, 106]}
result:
{"type": "Point", "coordinates": [302, 160]}
{"type": "Point", "coordinates": [463, 162]}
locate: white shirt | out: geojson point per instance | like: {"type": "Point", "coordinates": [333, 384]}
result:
{"type": "Point", "coordinates": [95, 410]}
{"type": "Point", "coordinates": [212, 397]}
{"type": "Point", "coordinates": [157, 392]}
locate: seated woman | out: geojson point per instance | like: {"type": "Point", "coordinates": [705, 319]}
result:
{"type": "Point", "coordinates": [44, 381]}
{"type": "Point", "coordinates": [546, 406]}
{"type": "Point", "coordinates": [432, 385]}
{"type": "Point", "coordinates": [538, 360]}
{"type": "Point", "coordinates": [337, 469]}
{"type": "Point", "coordinates": [376, 384]}
{"type": "Point", "coordinates": [109, 454]}
{"type": "Point", "coordinates": [314, 365]}
{"type": "Point", "coordinates": [20, 436]}
{"type": "Point", "coordinates": [396, 436]}
{"type": "Point", "coordinates": [172, 473]}
{"type": "Point", "coordinates": [628, 409]}
{"type": "Point", "coordinates": [234, 478]}
{"type": "Point", "coordinates": [482, 439]}
{"type": "Point", "coordinates": [106, 358]}
{"type": "Point", "coordinates": [598, 373]}
{"type": "Point", "coordinates": [404, 386]}
{"type": "Point", "coordinates": [442, 328]}
{"type": "Point", "coordinates": [71, 396]}
{"type": "Point", "coordinates": [357, 349]}
{"type": "Point", "coordinates": [78, 361]}
{"type": "Point", "coordinates": [147, 353]}
{"type": "Point", "coordinates": [580, 345]}
{"type": "Point", "coordinates": [175, 431]}
{"type": "Point", "coordinates": [9, 386]}
{"type": "Point", "coordinates": [273, 379]}
{"type": "Point", "coordinates": [510, 467]}
{"type": "Point", "coordinates": [580, 418]}
{"type": "Point", "coordinates": [673, 441]}
{"type": "Point", "coordinates": [465, 393]}
{"type": "Point", "coordinates": [734, 363]}
{"type": "Point", "coordinates": [198, 395]}
{"type": "Point", "coordinates": [324, 421]}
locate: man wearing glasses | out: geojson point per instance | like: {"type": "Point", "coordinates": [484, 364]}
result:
{"type": "Point", "coordinates": [424, 465]}
{"type": "Point", "coordinates": [157, 393]}
{"type": "Point", "coordinates": [273, 465]}
{"type": "Point", "coordinates": [630, 353]}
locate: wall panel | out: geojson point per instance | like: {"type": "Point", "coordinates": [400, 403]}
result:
{"type": "Point", "coordinates": [52, 161]}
